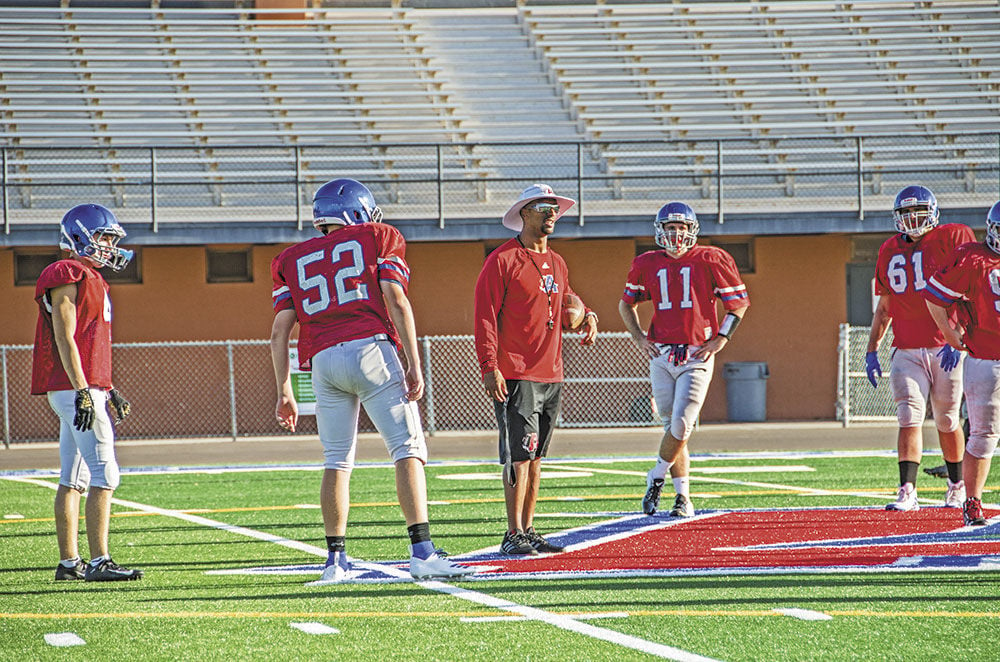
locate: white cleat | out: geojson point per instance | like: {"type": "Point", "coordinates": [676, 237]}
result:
{"type": "Point", "coordinates": [337, 573]}
{"type": "Point", "coordinates": [955, 496]}
{"type": "Point", "coordinates": [906, 499]}
{"type": "Point", "coordinates": [437, 567]}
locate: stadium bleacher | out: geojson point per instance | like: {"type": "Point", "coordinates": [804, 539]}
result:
{"type": "Point", "coordinates": [407, 96]}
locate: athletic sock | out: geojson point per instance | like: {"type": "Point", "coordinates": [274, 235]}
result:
{"type": "Point", "coordinates": [682, 485]}
{"type": "Point", "coordinates": [954, 471]}
{"type": "Point", "coordinates": [98, 561]}
{"type": "Point", "coordinates": [70, 563]}
{"type": "Point", "coordinates": [420, 540]}
{"type": "Point", "coordinates": [908, 473]}
{"type": "Point", "coordinates": [661, 469]}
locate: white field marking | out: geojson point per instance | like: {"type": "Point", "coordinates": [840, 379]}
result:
{"type": "Point", "coordinates": [804, 614]}
{"type": "Point", "coordinates": [496, 477]}
{"type": "Point", "coordinates": [759, 469]}
{"type": "Point", "coordinates": [13, 516]}
{"type": "Point", "coordinates": [309, 506]}
{"type": "Point", "coordinates": [491, 619]}
{"type": "Point", "coordinates": [62, 639]}
{"type": "Point", "coordinates": [314, 628]}
{"type": "Point", "coordinates": [556, 620]}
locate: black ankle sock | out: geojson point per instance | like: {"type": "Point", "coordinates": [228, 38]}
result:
{"type": "Point", "coordinates": [419, 532]}
{"type": "Point", "coordinates": [908, 472]}
{"type": "Point", "coordinates": [954, 471]}
{"type": "Point", "coordinates": [336, 543]}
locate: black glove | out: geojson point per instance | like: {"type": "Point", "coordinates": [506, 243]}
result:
{"type": "Point", "coordinates": [119, 405]}
{"type": "Point", "coordinates": [677, 354]}
{"type": "Point", "coordinates": [84, 405]}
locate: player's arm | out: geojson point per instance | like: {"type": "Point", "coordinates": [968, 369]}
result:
{"type": "Point", "coordinates": [63, 300]}
{"type": "Point", "coordinates": [286, 410]}
{"type": "Point", "coordinates": [489, 296]}
{"type": "Point", "coordinates": [630, 317]}
{"type": "Point", "coordinates": [880, 323]}
{"type": "Point", "coordinates": [952, 334]}
{"type": "Point", "coordinates": [729, 323]}
{"type": "Point", "coordinates": [401, 313]}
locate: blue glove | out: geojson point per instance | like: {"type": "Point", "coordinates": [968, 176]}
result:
{"type": "Point", "coordinates": [872, 368]}
{"type": "Point", "coordinates": [949, 358]}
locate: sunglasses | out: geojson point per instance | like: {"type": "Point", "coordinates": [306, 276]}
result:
{"type": "Point", "coordinates": [544, 207]}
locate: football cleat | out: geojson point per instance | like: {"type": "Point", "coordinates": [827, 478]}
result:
{"type": "Point", "coordinates": [906, 499]}
{"type": "Point", "coordinates": [651, 501]}
{"type": "Point", "coordinates": [682, 507]}
{"type": "Point", "coordinates": [940, 471]}
{"type": "Point", "coordinates": [540, 544]}
{"type": "Point", "coordinates": [337, 570]}
{"type": "Point", "coordinates": [516, 544]}
{"type": "Point", "coordinates": [972, 512]}
{"type": "Point", "coordinates": [76, 572]}
{"type": "Point", "coordinates": [109, 571]}
{"type": "Point", "coordinates": [437, 566]}
{"type": "Point", "coordinates": [955, 496]}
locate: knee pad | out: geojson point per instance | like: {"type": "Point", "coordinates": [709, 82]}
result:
{"type": "Point", "coordinates": [106, 475]}
{"type": "Point", "coordinates": [981, 447]}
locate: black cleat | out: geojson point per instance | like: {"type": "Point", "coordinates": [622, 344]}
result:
{"type": "Point", "coordinates": [972, 512]}
{"type": "Point", "coordinates": [76, 572]}
{"type": "Point", "coordinates": [540, 544]}
{"type": "Point", "coordinates": [651, 501]}
{"type": "Point", "coordinates": [937, 472]}
{"type": "Point", "coordinates": [109, 571]}
{"type": "Point", "coordinates": [516, 544]}
{"type": "Point", "coordinates": [682, 507]}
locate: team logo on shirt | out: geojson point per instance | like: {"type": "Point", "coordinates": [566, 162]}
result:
{"type": "Point", "coordinates": [548, 284]}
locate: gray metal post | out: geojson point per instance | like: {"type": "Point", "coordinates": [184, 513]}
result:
{"type": "Point", "coordinates": [579, 181]}
{"type": "Point", "coordinates": [6, 399]}
{"type": "Point", "coordinates": [232, 390]}
{"type": "Point", "coordinates": [3, 185]}
{"type": "Point", "coordinates": [298, 189]}
{"type": "Point", "coordinates": [719, 185]}
{"type": "Point", "coordinates": [440, 186]}
{"type": "Point", "coordinates": [859, 141]}
{"type": "Point", "coordinates": [152, 188]}
{"type": "Point", "coordinates": [431, 424]}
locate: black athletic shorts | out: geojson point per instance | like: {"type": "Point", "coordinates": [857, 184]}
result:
{"type": "Point", "coordinates": [526, 419]}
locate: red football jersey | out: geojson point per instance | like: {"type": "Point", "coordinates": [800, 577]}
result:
{"type": "Point", "coordinates": [902, 270]}
{"type": "Point", "coordinates": [971, 280]}
{"type": "Point", "coordinates": [93, 328]}
{"type": "Point", "coordinates": [684, 291]}
{"type": "Point", "coordinates": [332, 282]}
{"type": "Point", "coordinates": [512, 312]}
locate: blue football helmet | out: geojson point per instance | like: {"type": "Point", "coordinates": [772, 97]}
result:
{"type": "Point", "coordinates": [915, 211]}
{"type": "Point", "coordinates": [93, 232]}
{"type": "Point", "coordinates": [673, 241]}
{"type": "Point", "coordinates": [344, 202]}
{"type": "Point", "coordinates": [993, 228]}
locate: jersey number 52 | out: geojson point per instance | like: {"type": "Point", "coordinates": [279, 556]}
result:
{"type": "Point", "coordinates": [346, 261]}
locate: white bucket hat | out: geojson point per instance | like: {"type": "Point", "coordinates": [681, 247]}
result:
{"type": "Point", "coordinates": [512, 219]}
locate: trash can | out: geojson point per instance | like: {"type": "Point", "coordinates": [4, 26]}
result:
{"type": "Point", "coordinates": [746, 390]}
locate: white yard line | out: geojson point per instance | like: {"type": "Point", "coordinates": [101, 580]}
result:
{"type": "Point", "coordinates": [560, 621]}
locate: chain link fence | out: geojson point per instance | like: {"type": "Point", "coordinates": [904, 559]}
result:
{"type": "Point", "coordinates": [857, 401]}
{"type": "Point", "coordinates": [183, 390]}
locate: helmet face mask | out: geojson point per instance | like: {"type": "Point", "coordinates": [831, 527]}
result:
{"type": "Point", "coordinates": [92, 232]}
{"type": "Point", "coordinates": [344, 202]}
{"type": "Point", "coordinates": [683, 235]}
{"type": "Point", "coordinates": [993, 228]}
{"type": "Point", "coordinates": [915, 211]}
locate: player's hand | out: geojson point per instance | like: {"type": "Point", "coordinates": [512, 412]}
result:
{"type": "Point", "coordinates": [711, 348]}
{"type": "Point", "coordinates": [119, 405]}
{"type": "Point", "coordinates": [950, 357]}
{"type": "Point", "coordinates": [648, 347]}
{"type": "Point", "coordinates": [83, 419]}
{"type": "Point", "coordinates": [872, 368]}
{"type": "Point", "coordinates": [287, 411]}
{"type": "Point", "coordinates": [589, 330]}
{"type": "Point", "coordinates": [495, 385]}
{"type": "Point", "coordinates": [414, 384]}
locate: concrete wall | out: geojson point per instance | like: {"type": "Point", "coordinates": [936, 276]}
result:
{"type": "Point", "coordinates": [797, 294]}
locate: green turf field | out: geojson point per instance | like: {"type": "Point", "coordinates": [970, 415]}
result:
{"type": "Point", "coordinates": [179, 526]}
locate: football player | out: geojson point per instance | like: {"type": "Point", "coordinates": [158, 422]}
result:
{"type": "Point", "coordinates": [71, 365]}
{"type": "Point", "coordinates": [969, 285]}
{"type": "Point", "coordinates": [923, 365]}
{"type": "Point", "coordinates": [346, 290]}
{"type": "Point", "coordinates": [684, 281]}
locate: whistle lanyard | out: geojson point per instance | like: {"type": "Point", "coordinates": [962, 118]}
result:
{"type": "Point", "coordinates": [548, 293]}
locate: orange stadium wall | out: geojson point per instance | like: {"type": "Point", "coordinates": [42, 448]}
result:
{"type": "Point", "coordinates": [797, 290]}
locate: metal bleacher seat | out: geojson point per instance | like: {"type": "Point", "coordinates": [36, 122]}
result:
{"type": "Point", "coordinates": [751, 71]}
